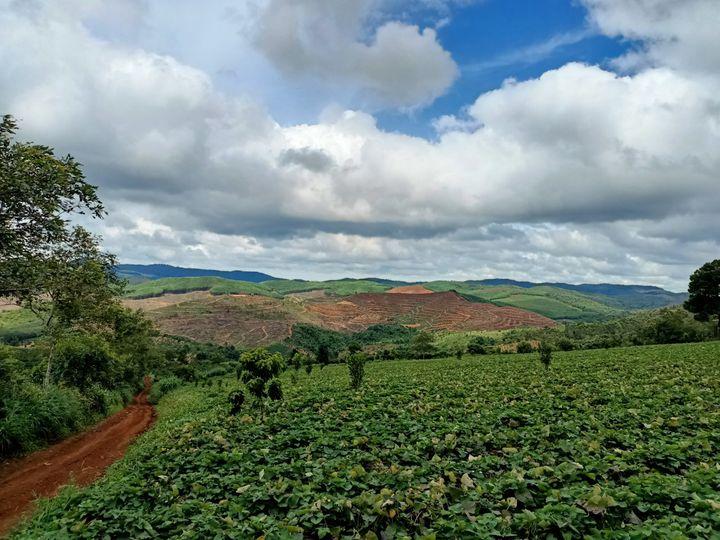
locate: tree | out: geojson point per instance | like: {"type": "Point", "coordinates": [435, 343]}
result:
{"type": "Point", "coordinates": [545, 351]}
{"type": "Point", "coordinates": [260, 371]}
{"type": "Point", "coordinates": [324, 356]}
{"type": "Point", "coordinates": [55, 270]}
{"type": "Point", "coordinates": [356, 367]}
{"type": "Point", "coordinates": [477, 345]}
{"type": "Point", "coordinates": [422, 345]}
{"type": "Point", "coordinates": [39, 193]}
{"type": "Point", "coordinates": [71, 287]}
{"type": "Point", "coordinates": [704, 293]}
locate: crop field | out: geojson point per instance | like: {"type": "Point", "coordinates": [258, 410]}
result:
{"type": "Point", "coordinates": [619, 443]}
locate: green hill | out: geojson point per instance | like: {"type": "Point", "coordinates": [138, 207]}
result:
{"type": "Point", "coordinates": [339, 287]}
{"type": "Point", "coordinates": [552, 302]}
{"type": "Point", "coordinates": [214, 285]}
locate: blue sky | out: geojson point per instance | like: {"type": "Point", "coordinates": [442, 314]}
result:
{"type": "Point", "coordinates": [499, 39]}
{"type": "Point", "coordinates": [325, 138]}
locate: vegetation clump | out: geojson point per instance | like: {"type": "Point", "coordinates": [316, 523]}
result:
{"type": "Point", "coordinates": [260, 369]}
{"type": "Point", "coordinates": [356, 367]}
{"type": "Point", "coordinates": [545, 351]}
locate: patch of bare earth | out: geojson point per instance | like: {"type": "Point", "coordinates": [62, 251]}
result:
{"type": "Point", "coordinates": [434, 311]}
{"type": "Point", "coordinates": [228, 319]}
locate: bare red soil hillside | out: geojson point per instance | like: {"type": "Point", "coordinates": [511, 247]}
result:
{"type": "Point", "coordinates": [260, 321]}
{"type": "Point", "coordinates": [434, 311]}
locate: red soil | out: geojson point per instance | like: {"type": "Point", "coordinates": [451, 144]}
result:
{"type": "Point", "coordinates": [80, 459]}
{"type": "Point", "coordinates": [410, 289]}
{"type": "Point", "coordinates": [435, 311]}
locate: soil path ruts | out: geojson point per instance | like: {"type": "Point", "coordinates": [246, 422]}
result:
{"type": "Point", "coordinates": [80, 459]}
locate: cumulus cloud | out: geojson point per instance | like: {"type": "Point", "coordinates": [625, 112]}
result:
{"type": "Point", "coordinates": [396, 65]}
{"type": "Point", "coordinates": [582, 174]}
{"type": "Point", "coordinates": [682, 34]}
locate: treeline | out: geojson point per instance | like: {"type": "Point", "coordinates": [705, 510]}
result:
{"type": "Point", "coordinates": [655, 327]}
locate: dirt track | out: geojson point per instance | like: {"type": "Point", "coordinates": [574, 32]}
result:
{"type": "Point", "coordinates": [80, 459]}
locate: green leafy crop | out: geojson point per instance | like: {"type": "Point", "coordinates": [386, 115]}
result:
{"type": "Point", "coordinates": [619, 443]}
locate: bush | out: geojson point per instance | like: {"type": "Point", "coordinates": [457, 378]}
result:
{"type": "Point", "coordinates": [85, 359]}
{"type": "Point", "coordinates": [236, 399]}
{"type": "Point", "coordinates": [260, 371]}
{"type": "Point", "coordinates": [478, 344]}
{"type": "Point", "coordinates": [565, 344]}
{"type": "Point", "coordinates": [524, 347]}
{"type": "Point", "coordinates": [356, 366]}
{"type": "Point", "coordinates": [162, 386]}
{"type": "Point", "coordinates": [32, 416]}
{"type": "Point", "coordinates": [545, 354]}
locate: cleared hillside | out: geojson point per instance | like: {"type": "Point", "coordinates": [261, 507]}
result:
{"type": "Point", "coordinates": [249, 320]}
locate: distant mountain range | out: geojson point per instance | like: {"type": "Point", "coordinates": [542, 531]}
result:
{"type": "Point", "coordinates": [159, 271]}
{"type": "Point", "coordinates": [500, 291]}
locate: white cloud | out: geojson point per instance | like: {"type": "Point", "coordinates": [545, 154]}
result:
{"type": "Point", "coordinates": [682, 34]}
{"type": "Point", "coordinates": [581, 174]}
{"type": "Point", "coordinates": [397, 65]}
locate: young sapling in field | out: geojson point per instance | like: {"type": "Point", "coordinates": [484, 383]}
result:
{"type": "Point", "coordinates": [260, 371]}
{"type": "Point", "coordinates": [356, 366]}
{"type": "Point", "coordinates": [545, 351]}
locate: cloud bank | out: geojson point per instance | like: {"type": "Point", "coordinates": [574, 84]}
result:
{"type": "Point", "coordinates": [583, 174]}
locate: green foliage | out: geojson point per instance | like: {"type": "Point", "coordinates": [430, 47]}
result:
{"type": "Point", "coordinates": [340, 287]}
{"type": "Point", "coordinates": [324, 356]}
{"type": "Point", "coordinates": [84, 359]}
{"type": "Point", "coordinates": [309, 337]}
{"type": "Point", "coordinates": [356, 366]}
{"type": "Point", "coordinates": [617, 444]}
{"type": "Point", "coordinates": [524, 347]}
{"type": "Point", "coordinates": [477, 345]}
{"type": "Point", "coordinates": [237, 400]}
{"type": "Point", "coordinates": [704, 293]}
{"type": "Point", "coordinates": [552, 302]}
{"type": "Point", "coordinates": [260, 369]}
{"type": "Point", "coordinates": [422, 345]}
{"type": "Point", "coordinates": [39, 193]}
{"type": "Point", "coordinates": [19, 326]}
{"type": "Point", "coordinates": [162, 386]}
{"type": "Point", "coordinates": [215, 285]}
{"type": "Point", "coordinates": [545, 351]}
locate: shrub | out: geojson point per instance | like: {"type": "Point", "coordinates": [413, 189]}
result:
{"type": "Point", "coordinates": [84, 359]}
{"type": "Point", "coordinates": [324, 356]}
{"type": "Point", "coordinates": [260, 371]}
{"type": "Point", "coordinates": [565, 344]}
{"type": "Point", "coordinates": [477, 345]}
{"type": "Point", "coordinates": [162, 386]}
{"type": "Point", "coordinates": [524, 347]}
{"type": "Point", "coordinates": [356, 366]}
{"type": "Point", "coordinates": [236, 399]}
{"type": "Point", "coordinates": [545, 354]}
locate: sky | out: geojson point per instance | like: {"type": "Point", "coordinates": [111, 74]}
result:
{"type": "Point", "coordinates": [543, 140]}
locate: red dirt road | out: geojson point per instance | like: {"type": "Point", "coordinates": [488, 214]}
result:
{"type": "Point", "coordinates": [80, 459]}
